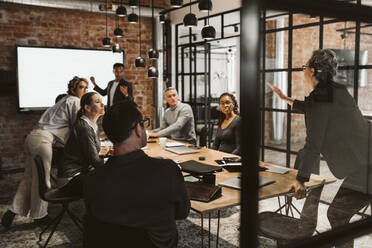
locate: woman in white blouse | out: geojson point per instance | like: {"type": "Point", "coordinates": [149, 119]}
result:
{"type": "Point", "coordinates": [53, 129]}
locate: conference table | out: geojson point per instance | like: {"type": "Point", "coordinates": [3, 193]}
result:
{"type": "Point", "coordinates": [231, 197]}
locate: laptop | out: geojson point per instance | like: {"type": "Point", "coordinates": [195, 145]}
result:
{"type": "Point", "coordinates": [235, 182]}
{"type": "Point", "coordinates": [181, 150]}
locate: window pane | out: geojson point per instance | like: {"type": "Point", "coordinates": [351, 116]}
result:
{"type": "Point", "coordinates": [275, 129]}
{"type": "Point", "coordinates": [364, 94]}
{"type": "Point", "coordinates": [299, 19]}
{"type": "Point", "coordinates": [276, 54]}
{"type": "Point", "coordinates": [366, 43]}
{"type": "Point", "coordinates": [278, 79]}
{"type": "Point", "coordinates": [305, 41]}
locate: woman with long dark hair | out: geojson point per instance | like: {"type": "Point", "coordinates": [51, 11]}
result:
{"type": "Point", "coordinates": [53, 130]}
{"type": "Point", "coordinates": [81, 153]}
{"type": "Point", "coordinates": [228, 133]}
{"type": "Point", "coordinates": [335, 128]}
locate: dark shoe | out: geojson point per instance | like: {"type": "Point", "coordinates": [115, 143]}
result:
{"type": "Point", "coordinates": [43, 221]}
{"type": "Point", "coordinates": [7, 219]}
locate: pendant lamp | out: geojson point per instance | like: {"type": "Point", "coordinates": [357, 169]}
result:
{"type": "Point", "coordinates": [106, 42]}
{"type": "Point", "coordinates": [139, 62]}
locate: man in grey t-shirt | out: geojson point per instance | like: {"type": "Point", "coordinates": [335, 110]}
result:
{"type": "Point", "coordinates": [178, 120]}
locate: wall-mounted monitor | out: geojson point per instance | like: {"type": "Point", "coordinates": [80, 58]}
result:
{"type": "Point", "coordinates": [43, 72]}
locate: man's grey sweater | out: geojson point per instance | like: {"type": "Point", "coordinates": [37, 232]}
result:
{"type": "Point", "coordinates": [178, 123]}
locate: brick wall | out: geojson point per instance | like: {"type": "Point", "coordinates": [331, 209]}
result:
{"type": "Point", "coordinates": [38, 26]}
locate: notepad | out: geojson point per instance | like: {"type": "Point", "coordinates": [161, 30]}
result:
{"type": "Point", "coordinates": [235, 182]}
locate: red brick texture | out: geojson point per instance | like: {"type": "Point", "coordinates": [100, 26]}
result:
{"type": "Point", "coordinates": [20, 25]}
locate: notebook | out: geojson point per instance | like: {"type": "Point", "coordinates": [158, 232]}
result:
{"type": "Point", "coordinates": [181, 150]}
{"type": "Point", "coordinates": [235, 182]}
{"type": "Point", "coordinates": [276, 170]}
{"type": "Point", "coordinates": [195, 167]}
{"type": "Point", "coordinates": [174, 144]}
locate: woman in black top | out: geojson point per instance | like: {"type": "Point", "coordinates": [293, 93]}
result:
{"type": "Point", "coordinates": [228, 133]}
{"type": "Point", "coordinates": [81, 153]}
{"type": "Point", "coordinates": [335, 128]}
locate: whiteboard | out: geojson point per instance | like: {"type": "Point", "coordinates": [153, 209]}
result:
{"type": "Point", "coordinates": [44, 73]}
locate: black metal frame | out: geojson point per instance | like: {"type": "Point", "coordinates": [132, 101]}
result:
{"type": "Point", "coordinates": [250, 11]}
{"type": "Point", "coordinates": [191, 45]}
{"type": "Point", "coordinates": [289, 70]}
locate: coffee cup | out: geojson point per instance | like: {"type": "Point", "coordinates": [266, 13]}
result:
{"type": "Point", "coordinates": [162, 142]}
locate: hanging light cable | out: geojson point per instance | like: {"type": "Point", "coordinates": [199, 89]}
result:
{"type": "Point", "coordinates": [106, 42]}
{"type": "Point", "coordinates": [153, 53]}
{"type": "Point", "coordinates": [139, 62]}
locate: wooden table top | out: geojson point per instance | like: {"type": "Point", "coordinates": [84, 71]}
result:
{"type": "Point", "coordinates": [231, 197]}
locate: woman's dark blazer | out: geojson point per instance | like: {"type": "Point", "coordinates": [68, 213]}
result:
{"type": "Point", "coordinates": [335, 128]}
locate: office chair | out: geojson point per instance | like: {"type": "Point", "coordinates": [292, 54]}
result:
{"type": "Point", "coordinates": [98, 234]}
{"type": "Point", "coordinates": [54, 196]}
{"type": "Point", "coordinates": [286, 229]}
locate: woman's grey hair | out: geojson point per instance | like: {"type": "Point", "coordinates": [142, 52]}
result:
{"type": "Point", "coordinates": [324, 61]}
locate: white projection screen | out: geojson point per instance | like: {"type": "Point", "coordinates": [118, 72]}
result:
{"type": "Point", "coordinates": [43, 73]}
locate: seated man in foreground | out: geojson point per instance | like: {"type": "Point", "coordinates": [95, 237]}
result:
{"type": "Point", "coordinates": [178, 120]}
{"type": "Point", "coordinates": [133, 189]}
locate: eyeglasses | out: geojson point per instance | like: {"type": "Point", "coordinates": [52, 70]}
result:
{"type": "Point", "coordinates": [83, 87]}
{"type": "Point", "coordinates": [304, 67]}
{"type": "Point", "coordinates": [226, 102]}
{"type": "Point", "coordinates": [145, 122]}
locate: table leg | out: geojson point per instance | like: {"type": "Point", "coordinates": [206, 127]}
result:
{"type": "Point", "coordinates": [209, 230]}
{"type": "Point", "coordinates": [202, 238]}
{"type": "Point", "coordinates": [218, 227]}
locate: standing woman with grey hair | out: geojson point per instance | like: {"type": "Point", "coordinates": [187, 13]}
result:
{"type": "Point", "coordinates": [335, 128]}
{"type": "Point", "coordinates": [53, 129]}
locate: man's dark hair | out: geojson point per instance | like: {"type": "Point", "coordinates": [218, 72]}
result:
{"type": "Point", "coordinates": [120, 119]}
{"type": "Point", "coordinates": [118, 65]}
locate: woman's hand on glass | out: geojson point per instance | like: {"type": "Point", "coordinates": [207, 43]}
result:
{"type": "Point", "coordinates": [277, 91]}
{"type": "Point", "coordinates": [280, 94]}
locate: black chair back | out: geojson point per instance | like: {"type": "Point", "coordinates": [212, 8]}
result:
{"type": "Point", "coordinates": [98, 234]}
{"type": "Point", "coordinates": [41, 175]}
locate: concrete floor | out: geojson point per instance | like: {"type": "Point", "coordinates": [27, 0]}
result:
{"type": "Point", "coordinates": [24, 233]}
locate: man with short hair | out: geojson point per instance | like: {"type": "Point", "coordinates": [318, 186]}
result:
{"type": "Point", "coordinates": [118, 89]}
{"type": "Point", "coordinates": [178, 120]}
{"type": "Point", "coordinates": [133, 189]}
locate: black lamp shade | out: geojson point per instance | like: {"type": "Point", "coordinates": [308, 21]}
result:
{"type": "Point", "coordinates": [116, 48]}
{"type": "Point", "coordinates": [153, 54]}
{"type": "Point", "coordinates": [208, 32]}
{"type": "Point", "coordinates": [140, 62]}
{"type": "Point", "coordinates": [153, 72]}
{"type": "Point", "coordinates": [176, 3]}
{"type": "Point", "coordinates": [121, 11]}
{"type": "Point", "coordinates": [133, 4]}
{"type": "Point", "coordinates": [190, 20]}
{"type": "Point", "coordinates": [161, 18]}
{"type": "Point", "coordinates": [205, 5]}
{"type": "Point", "coordinates": [118, 32]}
{"type": "Point", "coordinates": [106, 42]}
{"type": "Point", "coordinates": [132, 18]}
